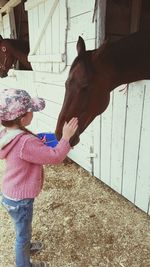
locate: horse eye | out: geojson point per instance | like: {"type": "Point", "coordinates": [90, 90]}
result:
{"type": "Point", "coordinates": [3, 49]}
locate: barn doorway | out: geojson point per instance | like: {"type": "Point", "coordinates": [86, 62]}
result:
{"type": "Point", "coordinates": [126, 16]}
{"type": "Point", "coordinates": [14, 23]}
{"type": "Point", "coordinates": [21, 22]}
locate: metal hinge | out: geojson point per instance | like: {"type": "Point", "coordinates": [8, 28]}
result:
{"type": "Point", "coordinates": [93, 155]}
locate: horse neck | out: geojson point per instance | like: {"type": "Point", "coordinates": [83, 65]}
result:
{"type": "Point", "coordinates": [20, 52]}
{"type": "Point", "coordinates": [121, 63]}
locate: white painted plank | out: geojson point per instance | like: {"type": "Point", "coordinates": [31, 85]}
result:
{"type": "Point", "coordinates": [106, 126]}
{"type": "Point", "coordinates": [55, 78]}
{"type": "Point", "coordinates": [6, 20]}
{"type": "Point", "coordinates": [35, 25]}
{"type": "Point", "coordinates": [45, 58]}
{"type": "Point", "coordinates": [55, 36]}
{"type": "Point", "coordinates": [81, 158]}
{"type": "Point", "coordinates": [78, 7]}
{"type": "Point", "coordinates": [51, 92]}
{"type": "Point", "coordinates": [97, 146]}
{"type": "Point", "coordinates": [30, 4]}
{"type": "Point", "coordinates": [63, 32]}
{"type": "Point", "coordinates": [42, 126]}
{"type": "Point", "coordinates": [12, 24]}
{"type": "Point", "coordinates": [48, 40]}
{"type": "Point", "coordinates": [42, 45]}
{"type": "Point", "coordinates": [52, 109]}
{"type": "Point", "coordinates": [30, 23]}
{"type": "Point", "coordinates": [1, 25]}
{"type": "Point", "coordinates": [85, 141]}
{"type": "Point", "coordinates": [43, 26]}
{"type": "Point", "coordinates": [45, 122]}
{"type": "Point", "coordinates": [9, 82]}
{"type": "Point", "coordinates": [117, 145]}
{"type": "Point", "coordinates": [6, 26]}
{"type": "Point", "coordinates": [55, 33]}
{"type": "Point", "coordinates": [142, 195]}
{"type": "Point", "coordinates": [132, 139]}
{"type": "Point", "coordinates": [81, 25]}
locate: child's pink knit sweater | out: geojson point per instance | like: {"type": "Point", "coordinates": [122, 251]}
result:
{"type": "Point", "coordinates": [25, 155]}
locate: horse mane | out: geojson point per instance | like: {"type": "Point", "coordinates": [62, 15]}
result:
{"type": "Point", "coordinates": [103, 46]}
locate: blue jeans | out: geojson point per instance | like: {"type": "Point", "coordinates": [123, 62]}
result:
{"type": "Point", "coordinates": [21, 212]}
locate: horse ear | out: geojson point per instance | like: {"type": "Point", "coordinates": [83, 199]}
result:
{"type": "Point", "coordinates": [81, 46]}
{"type": "Point", "coordinates": [1, 38]}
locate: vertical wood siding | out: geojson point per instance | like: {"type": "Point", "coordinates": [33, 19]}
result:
{"type": "Point", "coordinates": [125, 146]}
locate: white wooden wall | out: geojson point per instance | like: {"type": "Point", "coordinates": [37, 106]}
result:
{"type": "Point", "coordinates": [120, 137]}
{"type": "Point", "coordinates": [124, 151]}
{"type": "Point", "coordinates": [47, 34]}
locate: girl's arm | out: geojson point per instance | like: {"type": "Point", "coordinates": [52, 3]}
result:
{"type": "Point", "coordinates": [33, 149]}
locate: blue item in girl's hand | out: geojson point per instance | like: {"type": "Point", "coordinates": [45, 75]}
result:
{"type": "Point", "coordinates": [49, 139]}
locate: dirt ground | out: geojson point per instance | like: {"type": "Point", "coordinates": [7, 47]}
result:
{"type": "Point", "coordinates": [82, 223]}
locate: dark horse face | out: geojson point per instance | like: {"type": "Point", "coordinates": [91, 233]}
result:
{"type": "Point", "coordinates": [6, 58]}
{"type": "Point", "coordinates": [80, 100]}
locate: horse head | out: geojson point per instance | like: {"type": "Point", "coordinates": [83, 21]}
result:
{"type": "Point", "coordinates": [6, 57]}
{"type": "Point", "coordinates": [81, 95]}
{"type": "Point", "coordinates": [95, 73]}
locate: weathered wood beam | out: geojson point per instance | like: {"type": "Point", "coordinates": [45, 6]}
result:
{"type": "Point", "coordinates": [2, 3]}
{"type": "Point", "coordinates": [12, 3]}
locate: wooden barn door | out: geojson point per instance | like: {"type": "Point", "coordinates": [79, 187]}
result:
{"type": "Point", "coordinates": [47, 42]}
{"type": "Point", "coordinates": [123, 160]}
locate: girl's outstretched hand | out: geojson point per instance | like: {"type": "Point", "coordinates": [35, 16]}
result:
{"type": "Point", "coordinates": [69, 128]}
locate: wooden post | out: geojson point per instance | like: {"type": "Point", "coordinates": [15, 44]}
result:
{"type": "Point", "coordinates": [10, 4]}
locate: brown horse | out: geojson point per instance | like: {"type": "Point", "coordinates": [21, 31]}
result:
{"type": "Point", "coordinates": [12, 50]}
{"type": "Point", "coordinates": [95, 73]}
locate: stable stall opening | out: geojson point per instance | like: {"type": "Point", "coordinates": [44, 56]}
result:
{"type": "Point", "coordinates": [126, 16]}
{"type": "Point", "coordinates": [14, 24]}
{"type": "Point", "coordinates": [21, 22]}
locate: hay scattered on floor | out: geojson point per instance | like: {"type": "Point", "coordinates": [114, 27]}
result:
{"type": "Point", "coordinates": [82, 223]}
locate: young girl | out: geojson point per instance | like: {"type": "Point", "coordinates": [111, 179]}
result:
{"type": "Point", "coordinates": [25, 154]}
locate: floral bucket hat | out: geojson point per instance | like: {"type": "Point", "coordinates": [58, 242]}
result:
{"type": "Point", "coordinates": [16, 102]}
